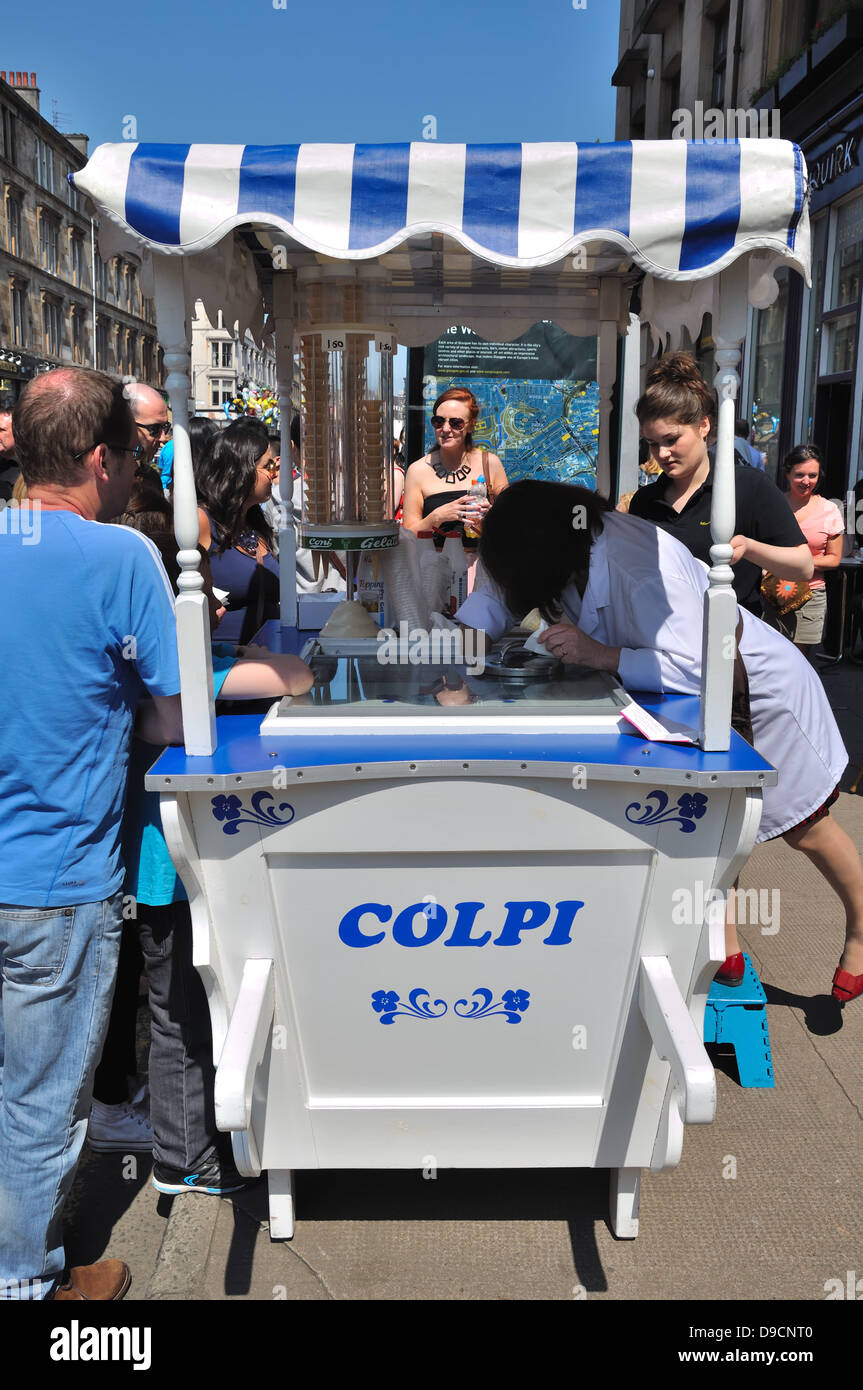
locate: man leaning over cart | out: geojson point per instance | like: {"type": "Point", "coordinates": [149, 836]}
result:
{"type": "Point", "coordinates": [86, 627]}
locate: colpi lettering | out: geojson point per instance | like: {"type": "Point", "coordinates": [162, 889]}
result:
{"type": "Point", "coordinates": [422, 923]}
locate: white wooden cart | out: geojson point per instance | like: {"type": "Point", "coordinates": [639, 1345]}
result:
{"type": "Point", "coordinates": [438, 936]}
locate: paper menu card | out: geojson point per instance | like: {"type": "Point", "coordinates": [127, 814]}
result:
{"type": "Point", "coordinates": [651, 728]}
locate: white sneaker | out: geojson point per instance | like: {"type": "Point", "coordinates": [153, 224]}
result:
{"type": "Point", "coordinates": [119, 1128]}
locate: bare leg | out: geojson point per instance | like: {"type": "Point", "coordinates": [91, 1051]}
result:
{"type": "Point", "coordinates": [732, 941]}
{"type": "Point", "coordinates": [835, 856]}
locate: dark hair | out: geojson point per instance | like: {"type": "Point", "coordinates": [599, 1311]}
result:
{"type": "Point", "coordinates": [148, 510]}
{"type": "Point", "coordinates": [802, 454]}
{"type": "Point", "coordinates": [741, 427]}
{"type": "Point", "coordinates": [202, 434]}
{"type": "Point", "coordinates": [536, 537]}
{"type": "Point", "coordinates": [295, 430]}
{"type": "Point", "coordinates": [676, 390]}
{"type": "Point", "coordinates": [461, 393]}
{"type": "Point", "coordinates": [225, 478]}
{"type": "Point", "coordinates": [64, 413]}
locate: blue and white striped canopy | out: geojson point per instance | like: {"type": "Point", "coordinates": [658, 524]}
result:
{"type": "Point", "coordinates": [681, 210]}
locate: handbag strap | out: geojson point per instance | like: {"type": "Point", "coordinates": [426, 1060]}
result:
{"type": "Point", "coordinates": [488, 487]}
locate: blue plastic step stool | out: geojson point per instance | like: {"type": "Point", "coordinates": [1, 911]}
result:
{"type": "Point", "coordinates": [738, 1015]}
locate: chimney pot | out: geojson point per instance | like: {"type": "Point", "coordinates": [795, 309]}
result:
{"type": "Point", "coordinates": [18, 82]}
{"type": "Point", "coordinates": [32, 79]}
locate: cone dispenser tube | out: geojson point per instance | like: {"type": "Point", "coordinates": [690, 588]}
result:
{"type": "Point", "coordinates": [346, 382]}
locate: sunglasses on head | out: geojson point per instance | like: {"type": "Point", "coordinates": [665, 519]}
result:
{"type": "Point", "coordinates": [438, 422]}
{"type": "Point", "coordinates": [163, 427]}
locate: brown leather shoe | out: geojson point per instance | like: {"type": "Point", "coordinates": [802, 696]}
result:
{"type": "Point", "coordinates": [104, 1282]}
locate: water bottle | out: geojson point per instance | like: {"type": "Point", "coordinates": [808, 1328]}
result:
{"type": "Point", "coordinates": [478, 490]}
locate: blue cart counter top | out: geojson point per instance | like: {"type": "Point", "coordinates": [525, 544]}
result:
{"type": "Point", "coordinates": [246, 758]}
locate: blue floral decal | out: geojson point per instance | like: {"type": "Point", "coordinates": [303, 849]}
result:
{"type": "Point", "coordinates": [690, 808]}
{"type": "Point", "coordinates": [231, 810]}
{"type": "Point", "coordinates": [512, 1004]}
{"type": "Point", "coordinates": [390, 1007]}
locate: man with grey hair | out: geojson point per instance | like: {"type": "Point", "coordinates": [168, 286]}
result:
{"type": "Point", "coordinates": [151, 417]}
{"type": "Point", "coordinates": [87, 629]}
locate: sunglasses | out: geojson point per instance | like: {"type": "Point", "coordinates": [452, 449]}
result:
{"type": "Point", "coordinates": [137, 453]}
{"type": "Point", "coordinates": [271, 467]}
{"type": "Point", "coordinates": [438, 422]}
{"type": "Point", "coordinates": [163, 427]}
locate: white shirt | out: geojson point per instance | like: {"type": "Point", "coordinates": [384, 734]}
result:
{"type": "Point", "coordinates": [645, 595]}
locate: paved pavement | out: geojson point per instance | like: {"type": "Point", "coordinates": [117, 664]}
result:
{"type": "Point", "coordinates": [765, 1204]}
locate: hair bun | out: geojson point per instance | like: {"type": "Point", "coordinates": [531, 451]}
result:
{"type": "Point", "coordinates": [677, 367]}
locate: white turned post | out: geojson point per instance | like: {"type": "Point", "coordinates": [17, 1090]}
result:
{"type": "Point", "coordinates": [606, 373]}
{"type": "Point", "coordinates": [627, 472]}
{"type": "Point", "coordinates": [283, 313]}
{"type": "Point", "coordinates": [720, 601]}
{"type": "Point", "coordinates": [193, 617]}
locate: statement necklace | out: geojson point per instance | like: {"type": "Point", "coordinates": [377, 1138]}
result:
{"type": "Point", "coordinates": [452, 475]}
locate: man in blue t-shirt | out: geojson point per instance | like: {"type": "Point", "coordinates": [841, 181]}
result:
{"type": "Point", "coordinates": [86, 628]}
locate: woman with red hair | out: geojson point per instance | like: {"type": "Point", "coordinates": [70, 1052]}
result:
{"type": "Point", "coordinates": [437, 486]}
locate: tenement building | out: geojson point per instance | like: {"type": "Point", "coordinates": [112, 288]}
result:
{"type": "Point", "coordinates": [60, 304]}
{"type": "Point", "coordinates": [774, 68]}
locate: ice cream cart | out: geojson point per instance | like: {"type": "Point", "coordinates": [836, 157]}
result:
{"type": "Point", "coordinates": [438, 933]}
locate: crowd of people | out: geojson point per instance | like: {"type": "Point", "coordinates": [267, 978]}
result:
{"type": "Point", "coordinates": [93, 693]}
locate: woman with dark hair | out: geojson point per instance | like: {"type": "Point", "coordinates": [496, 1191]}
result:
{"type": "Point", "coordinates": [823, 526]}
{"type": "Point", "coordinates": [233, 479]}
{"type": "Point", "coordinates": [622, 595]}
{"type": "Point", "coordinates": [677, 414]}
{"type": "Point", "coordinates": [437, 486]}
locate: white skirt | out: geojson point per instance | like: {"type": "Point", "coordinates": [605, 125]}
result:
{"type": "Point", "coordinates": [793, 726]}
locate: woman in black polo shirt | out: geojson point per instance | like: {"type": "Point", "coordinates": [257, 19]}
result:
{"type": "Point", "coordinates": [677, 414]}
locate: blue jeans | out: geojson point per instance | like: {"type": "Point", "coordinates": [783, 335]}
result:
{"type": "Point", "coordinates": [58, 969]}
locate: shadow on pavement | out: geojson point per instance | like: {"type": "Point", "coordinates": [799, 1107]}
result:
{"type": "Point", "coordinates": [105, 1187]}
{"type": "Point", "coordinates": [822, 1013]}
{"type": "Point", "coordinates": [578, 1196]}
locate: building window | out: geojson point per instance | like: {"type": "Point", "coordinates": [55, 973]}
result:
{"type": "Point", "coordinates": [44, 164]}
{"type": "Point", "coordinates": [13, 224]}
{"type": "Point", "coordinates": [48, 241]}
{"type": "Point", "coordinates": [51, 327]}
{"type": "Point", "coordinates": [227, 354]}
{"type": "Point", "coordinates": [720, 58]}
{"type": "Point", "coordinates": [767, 383]}
{"type": "Point", "coordinates": [839, 333]}
{"type": "Point", "coordinates": [131, 353]}
{"type": "Point", "coordinates": [118, 348]}
{"type": "Point", "coordinates": [214, 354]}
{"type": "Point", "coordinates": [131, 289]}
{"type": "Point", "coordinates": [18, 294]}
{"type": "Point", "coordinates": [101, 278]}
{"type": "Point", "coordinates": [222, 391]}
{"type": "Point", "coordinates": [147, 358]}
{"type": "Point", "coordinates": [118, 280]}
{"type": "Point", "coordinates": [72, 196]}
{"type": "Point", "coordinates": [813, 323]}
{"type": "Point", "coordinates": [76, 259]}
{"type": "Point", "coordinates": [9, 134]}
{"type": "Point", "coordinates": [77, 336]}
{"type": "Point", "coordinates": [101, 345]}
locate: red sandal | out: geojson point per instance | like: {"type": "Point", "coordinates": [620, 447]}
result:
{"type": "Point", "coordinates": [846, 987]}
{"type": "Point", "coordinates": [732, 971]}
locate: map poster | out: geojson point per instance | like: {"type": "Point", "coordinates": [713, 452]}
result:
{"type": "Point", "coordinates": [538, 399]}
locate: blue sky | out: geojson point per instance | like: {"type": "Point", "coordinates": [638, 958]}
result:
{"type": "Point", "coordinates": [247, 73]}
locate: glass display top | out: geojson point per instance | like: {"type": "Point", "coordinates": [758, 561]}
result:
{"type": "Point", "coordinates": [362, 684]}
